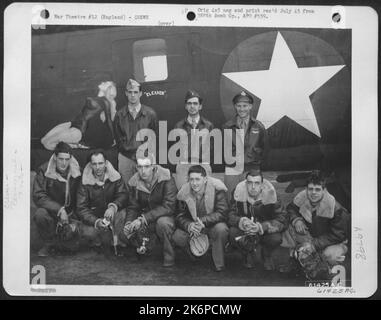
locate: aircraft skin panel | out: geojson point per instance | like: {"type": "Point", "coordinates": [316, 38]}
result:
{"type": "Point", "coordinates": [49, 70]}
{"type": "Point", "coordinates": [48, 43]}
{"type": "Point", "coordinates": [68, 66]}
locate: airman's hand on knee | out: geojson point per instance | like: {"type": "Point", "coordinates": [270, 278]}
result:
{"type": "Point", "coordinates": [300, 227]}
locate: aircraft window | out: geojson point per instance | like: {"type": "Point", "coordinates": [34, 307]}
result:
{"type": "Point", "coordinates": [155, 68]}
{"type": "Point", "coordinates": [150, 60]}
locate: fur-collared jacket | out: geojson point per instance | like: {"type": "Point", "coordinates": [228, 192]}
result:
{"type": "Point", "coordinates": [51, 191]}
{"type": "Point", "coordinates": [327, 225]}
{"type": "Point", "coordinates": [213, 208]}
{"type": "Point", "coordinates": [267, 209]}
{"type": "Point", "coordinates": [94, 197]}
{"type": "Point", "coordinates": [157, 201]}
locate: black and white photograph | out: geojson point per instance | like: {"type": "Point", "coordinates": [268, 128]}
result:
{"type": "Point", "coordinates": [190, 155]}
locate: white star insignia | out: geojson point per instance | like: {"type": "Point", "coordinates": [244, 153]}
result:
{"type": "Point", "coordinates": [285, 89]}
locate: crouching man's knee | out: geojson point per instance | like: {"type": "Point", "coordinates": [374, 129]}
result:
{"type": "Point", "coordinates": [119, 221]}
{"type": "Point", "coordinates": [89, 233]}
{"type": "Point", "coordinates": [181, 238]}
{"type": "Point", "coordinates": [219, 231]}
{"type": "Point", "coordinates": [234, 233]}
{"type": "Point", "coordinates": [46, 224]}
{"type": "Point", "coordinates": [41, 215]}
{"type": "Point", "coordinates": [272, 240]}
{"type": "Point", "coordinates": [165, 225]}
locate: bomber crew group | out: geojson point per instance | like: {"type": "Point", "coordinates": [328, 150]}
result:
{"type": "Point", "coordinates": [194, 211]}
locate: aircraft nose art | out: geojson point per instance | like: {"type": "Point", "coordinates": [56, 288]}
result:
{"type": "Point", "coordinates": [295, 79]}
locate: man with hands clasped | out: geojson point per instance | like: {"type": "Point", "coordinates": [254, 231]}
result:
{"type": "Point", "coordinates": [101, 199]}
{"type": "Point", "coordinates": [256, 218]}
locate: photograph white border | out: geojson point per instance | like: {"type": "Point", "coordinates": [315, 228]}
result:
{"type": "Point", "coordinates": [18, 19]}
